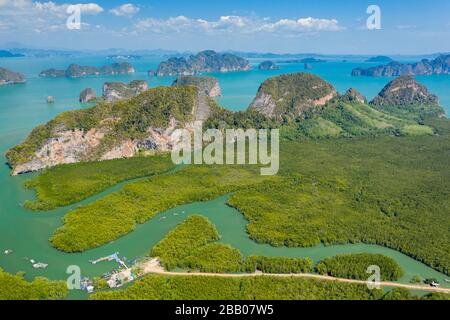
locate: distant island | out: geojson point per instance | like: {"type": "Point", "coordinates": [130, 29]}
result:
{"type": "Point", "coordinates": [10, 77]}
{"type": "Point", "coordinates": [305, 60]}
{"type": "Point", "coordinates": [440, 65]}
{"type": "Point", "coordinates": [268, 65]}
{"type": "Point", "coordinates": [205, 61]}
{"type": "Point", "coordinates": [124, 57]}
{"type": "Point", "coordinates": [382, 59]}
{"type": "Point", "coordinates": [8, 54]}
{"type": "Point", "coordinates": [77, 71]}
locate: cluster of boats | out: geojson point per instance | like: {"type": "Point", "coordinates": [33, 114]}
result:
{"type": "Point", "coordinates": [36, 265]}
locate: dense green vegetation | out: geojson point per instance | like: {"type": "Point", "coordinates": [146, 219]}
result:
{"type": "Point", "coordinates": [118, 213]}
{"type": "Point", "coordinates": [190, 246]}
{"type": "Point", "coordinates": [277, 265]}
{"type": "Point", "coordinates": [214, 257]}
{"type": "Point", "coordinates": [154, 287]}
{"type": "Point", "coordinates": [403, 294]}
{"type": "Point", "coordinates": [15, 287]}
{"type": "Point", "coordinates": [354, 266]}
{"type": "Point", "coordinates": [225, 119]}
{"type": "Point", "coordinates": [194, 232]}
{"type": "Point", "coordinates": [67, 184]}
{"type": "Point", "coordinates": [391, 191]}
{"type": "Point", "coordinates": [124, 119]}
{"type": "Point", "coordinates": [387, 191]}
{"type": "Point", "coordinates": [341, 118]}
{"type": "Point", "coordinates": [398, 294]}
{"type": "Point", "coordinates": [157, 287]}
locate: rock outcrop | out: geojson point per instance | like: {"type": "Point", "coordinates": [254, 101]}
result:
{"type": "Point", "coordinates": [440, 65]}
{"type": "Point", "coordinates": [406, 94]}
{"type": "Point", "coordinates": [77, 71]}
{"type": "Point", "coordinates": [87, 95]}
{"type": "Point", "coordinates": [110, 130]}
{"type": "Point", "coordinates": [205, 61]}
{"type": "Point", "coordinates": [113, 91]}
{"type": "Point", "coordinates": [209, 85]}
{"type": "Point", "coordinates": [353, 95]}
{"type": "Point", "coordinates": [268, 65]}
{"type": "Point", "coordinates": [292, 94]}
{"type": "Point", "coordinates": [10, 77]}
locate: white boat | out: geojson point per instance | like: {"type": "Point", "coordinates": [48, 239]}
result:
{"type": "Point", "coordinates": [40, 265]}
{"type": "Point", "coordinates": [435, 284]}
{"type": "Point", "coordinates": [8, 251]}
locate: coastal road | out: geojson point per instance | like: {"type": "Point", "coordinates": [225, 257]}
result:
{"type": "Point", "coordinates": [156, 269]}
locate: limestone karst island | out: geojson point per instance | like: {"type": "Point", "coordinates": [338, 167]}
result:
{"type": "Point", "coordinates": [225, 153]}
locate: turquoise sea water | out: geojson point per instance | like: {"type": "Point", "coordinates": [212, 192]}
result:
{"type": "Point", "coordinates": [22, 107]}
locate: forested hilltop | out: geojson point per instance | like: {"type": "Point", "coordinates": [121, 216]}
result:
{"type": "Point", "coordinates": [302, 105]}
{"type": "Point", "coordinates": [111, 130]}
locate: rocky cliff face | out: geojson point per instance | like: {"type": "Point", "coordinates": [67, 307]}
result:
{"type": "Point", "coordinates": [205, 61]}
{"type": "Point", "coordinates": [292, 94]}
{"type": "Point", "coordinates": [77, 71]}
{"type": "Point", "coordinates": [65, 146]}
{"type": "Point", "coordinates": [440, 65]}
{"type": "Point", "coordinates": [87, 95]}
{"type": "Point", "coordinates": [406, 94]}
{"type": "Point", "coordinates": [10, 77]}
{"type": "Point", "coordinates": [209, 85]}
{"type": "Point", "coordinates": [353, 95]}
{"type": "Point", "coordinates": [111, 130]}
{"type": "Point", "coordinates": [113, 91]}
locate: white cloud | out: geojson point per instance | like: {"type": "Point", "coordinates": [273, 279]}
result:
{"type": "Point", "coordinates": [303, 25]}
{"type": "Point", "coordinates": [126, 10]}
{"type": "Point", "coordinates": [39, 17]}
{"type": "Point", "coordinates": [239, 24]}
{"type": "Point", "coordinates": [86, 8]}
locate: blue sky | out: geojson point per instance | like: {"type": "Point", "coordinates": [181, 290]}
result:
{"type": "Point", "coordinates": [291, 26]}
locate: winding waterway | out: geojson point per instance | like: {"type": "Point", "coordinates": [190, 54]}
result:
{"type": "Point", "coordinates": [27, 233]}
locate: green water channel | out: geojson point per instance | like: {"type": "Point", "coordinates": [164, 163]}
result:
{"type": "Point", "coordinates": [27, 234]}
